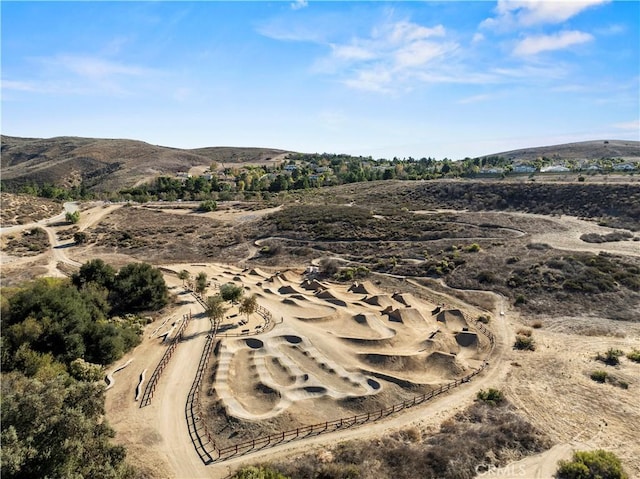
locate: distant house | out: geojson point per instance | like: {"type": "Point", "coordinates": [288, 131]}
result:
{"type": "Point", "coordinates": [593, 168]}
{"type": "Point", "coordinates": [624, 167]}
{"type": "Point", "coordinates": [524, 169]}
{"type": "Point", "coordinates": [183, 174]}
{"type": "Point", "coordinates": [322, 169]}
{"type": "Point", "coordinates": [554, 169]}
{"type": "Point", "coordinates": [290, 167]}
{"type": "Point", "coordinates": [491, 171]}
{"type": "Point", "coordinates": [206, 176]}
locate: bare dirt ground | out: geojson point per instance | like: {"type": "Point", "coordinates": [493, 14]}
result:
{"type": "Point", "coordinates": [337, 343]}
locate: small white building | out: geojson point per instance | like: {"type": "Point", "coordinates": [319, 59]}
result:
{"type": "Point", "coordinates": [624, 167]}
{"type": "Point", "coordinates": [524, 169]}
{"type": "Point", "coordinates": [554, 169]}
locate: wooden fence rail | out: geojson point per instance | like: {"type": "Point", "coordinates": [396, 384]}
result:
{"type": "Point", "coordinates": [271, 440]}
{"type": "Point", "coordinates": [147, 396]}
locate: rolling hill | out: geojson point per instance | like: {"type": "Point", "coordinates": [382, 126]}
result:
{"type": "Point", "coordinates": [585, 150]}
{"type": "Point", "coordinates": [114, 164]}
{"type": "Point", "coordinates": [109, 164]}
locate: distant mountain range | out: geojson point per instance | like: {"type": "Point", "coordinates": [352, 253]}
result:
{"type": "Point", "coordinates": [112, 164]}
{"type": "Point", "coordinates": [584, 150]}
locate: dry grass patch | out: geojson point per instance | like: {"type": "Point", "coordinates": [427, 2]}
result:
{"type": "Point", "coordinates": [482, 434]}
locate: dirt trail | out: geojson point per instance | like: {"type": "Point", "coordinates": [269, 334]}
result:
{"type": "Point", "coordinates": [568, 237]}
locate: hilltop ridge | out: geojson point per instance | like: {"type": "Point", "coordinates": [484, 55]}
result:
{"type": "Point", "coordinates": [104, 165]}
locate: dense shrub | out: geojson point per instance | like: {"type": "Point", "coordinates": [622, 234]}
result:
{"type": "Point", "coordinates": [491, 396]}
{"type": "Point", "coordinates": [597, 464]}
{"type": "Point", "coordinates": [611, 357]}
{"type": "Point", "coordinates": [263, 472]}
{"type": "Point", "coordinates": [207, 206]}
{"type": "Point", "coordinates": [634, 355]}
{"type": "Point", "coordinates": [599, 376]}
{"type": "Point", "coordinates": [139, 287]}
{"type": "Point", "coordinates": [55, 428]}
{"type": "Point", "coordinates": [525, 343]}
{"type": "Point", "coordinates": [481, 431]}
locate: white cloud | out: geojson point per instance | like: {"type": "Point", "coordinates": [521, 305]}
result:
{"type": "Point", "coordinates": [477, 38]}
{"type": "Point", "coordinates": [376, 79]}
{"type": "Point", "coordinates": [298, 4]}
{"type": "Point", "coordinates": [401, 32]}
{"type": "Point", "coordinates": [541, 43]}
{"type": "Point", "coordinates": [633, 126]}
{"type": "Point", "coordinates": [393, 53]}
{"type": "Point", "coordinates": [94, 67]}
{"type": "Point", "coordinates": [352, 52]}
{"type": "Point", "coordinates": [419, 53]}
{"type": "Point", "coordinates": [513, 13]}
{"type": "Point", "coordinates": [67, 74]}
{"type": "Point", "coordinates": [19, 86]}
{"type": "Point", "coordinates": [474, 99]}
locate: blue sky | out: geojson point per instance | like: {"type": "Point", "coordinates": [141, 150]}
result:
{"type": "Point", "coordinates": [440, 79]}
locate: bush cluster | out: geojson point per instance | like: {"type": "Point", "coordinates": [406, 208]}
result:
{"type": "Point", "coordinates": [479, 432]}
{"type": "Point", "coordinates": [598, 464]}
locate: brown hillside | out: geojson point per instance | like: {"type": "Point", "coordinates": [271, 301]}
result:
{"type": "Point", "coordinates": [107, 164]}
{"type": "Point", "coordinates": [584, 150]}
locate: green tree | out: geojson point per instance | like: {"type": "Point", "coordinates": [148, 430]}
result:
{"type": "Point", "coordinates": [231, 292]}
{"type": "Point", "coordinates": [249, 305]}
{"type": "Point", "coordinates": [596, 464]}
{"type": "Point", "coordinates": [215, 308]}
{"type": "Point", "coordinates": [184, 275]}
{"type": "Point", "coordinates": [139, 287]}
{"type": "Point", "coordinates": [95, 271]}
{"type": "Point", "coordinates": [55, 428]}
{"type": "Point", "coordinates": [80, 237]}
{"type": "Point", "coordinates": [72, 218]}
{"type": "Point", "coordinates": [201, 282]}
{"type": "Point", "coordinates": [207, 206]}
{"type": "Point", "coordinates": [84, 371]}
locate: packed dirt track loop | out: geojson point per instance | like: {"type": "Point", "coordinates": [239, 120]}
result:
{"type": "Point", "coordinates": [311, 349]}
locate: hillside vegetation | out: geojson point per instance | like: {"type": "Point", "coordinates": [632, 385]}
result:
{"type": "Point", "coordinates": [105, 164]}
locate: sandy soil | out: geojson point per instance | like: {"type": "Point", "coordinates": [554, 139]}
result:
{"type": "Point", "coordinates": [293, 360]}
{"type": "Point", "coordinates": [338, 343]}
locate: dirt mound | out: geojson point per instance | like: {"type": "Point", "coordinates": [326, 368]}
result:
{"type": "Point", "coordinates": [412, 386]}
{"type": "Point", "coordinates": [291, 277]}
{"type": "Point", "coordinates": [366, 287]}
{"type": "Point", "coordinates": [330, 297]}
{"type": "Point", "coordinates": [444, 364]}
{"type": "Point", "coordinates": [313, 285]}
{"type": "Point", "coordinates": [453, 318]}
{"type": "Point", "coordinates": [382, 300]}
{"type": "Point", "coordinates": [409, 317]}
{"type": "Point", "coordinates": [407, 299]}
{"type": "Point", "coordinates": [258, 272]}
{"type": "Point", "coordinates": [394, 362]}
{"type": "Point", "coordinates": [288, 289]}
{"type": "Point", "coordinates": [467, 339]}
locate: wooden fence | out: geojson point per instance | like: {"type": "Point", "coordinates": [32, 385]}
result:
{"type": "Point", "coordinates": [147, 396]}
{"type": "Point", "coordinates": [214, 453]}
{"type": "Point", "coordinates": [200, 435]}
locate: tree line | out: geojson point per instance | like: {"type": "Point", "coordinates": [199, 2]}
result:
{"type": "Point", "coordinates": [57, 336]}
